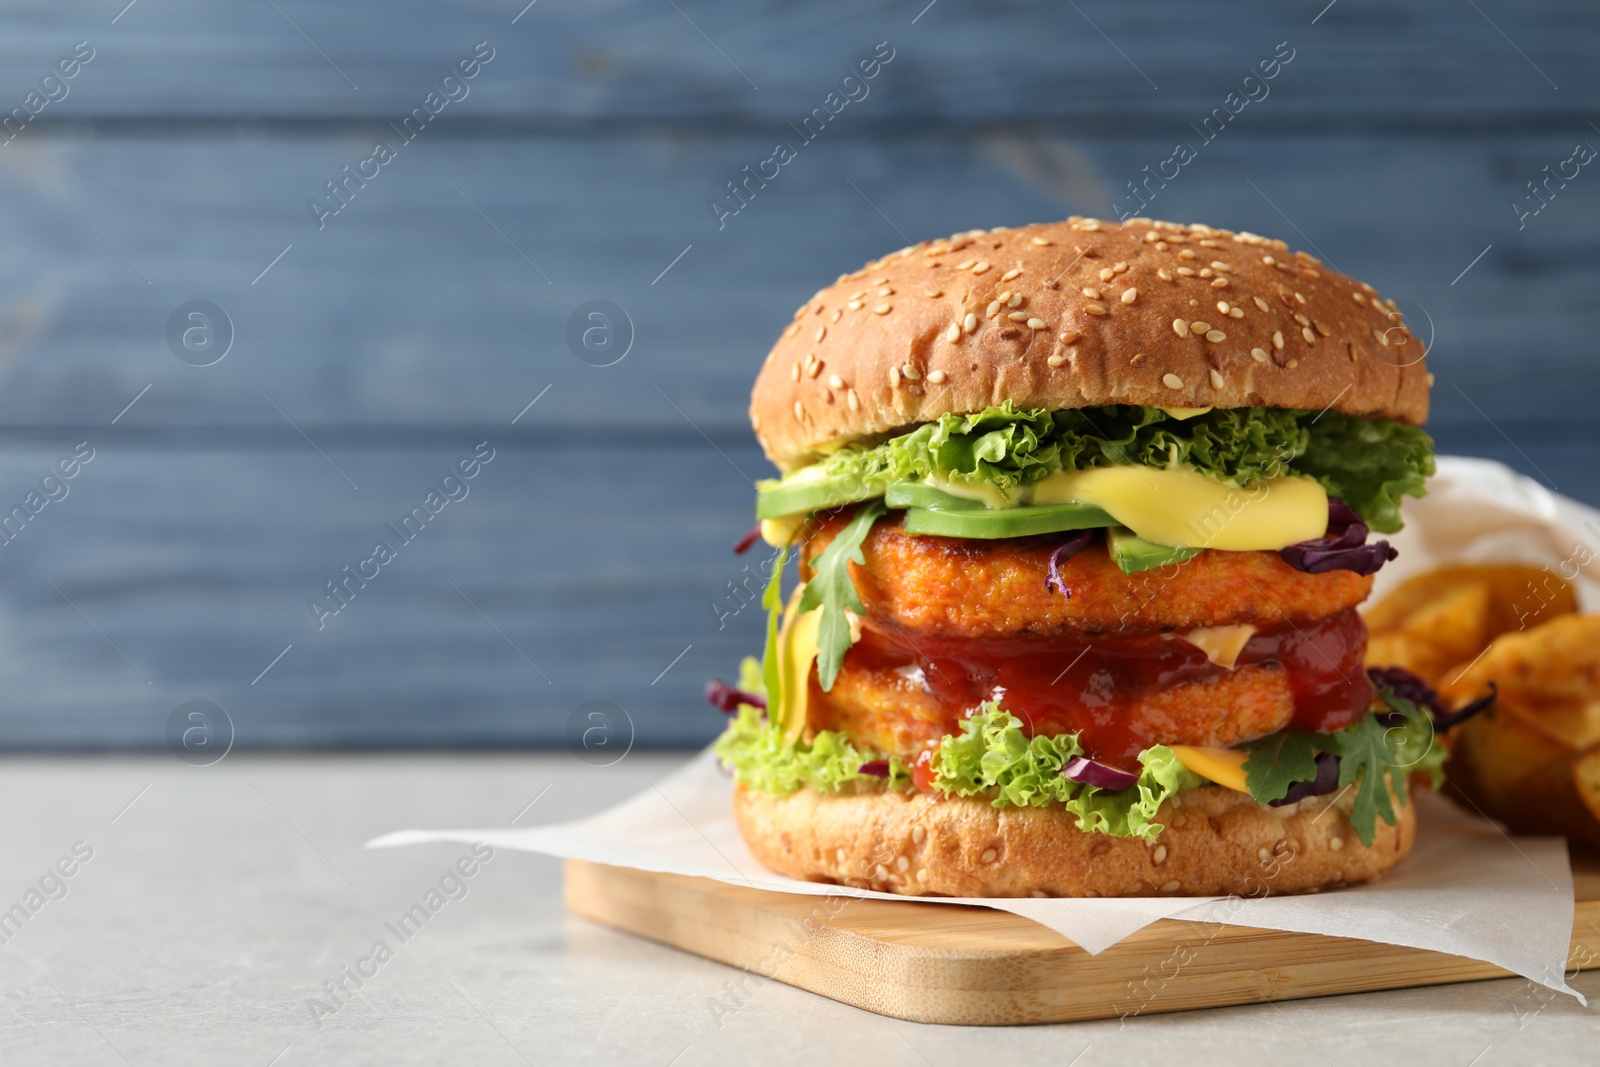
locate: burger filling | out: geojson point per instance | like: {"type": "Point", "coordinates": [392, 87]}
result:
{"type": "Point", "coordinates": [1095, 608]}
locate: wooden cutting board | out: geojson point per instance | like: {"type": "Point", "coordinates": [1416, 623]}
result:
{"type": "Point", "coordinates": [954, 963]}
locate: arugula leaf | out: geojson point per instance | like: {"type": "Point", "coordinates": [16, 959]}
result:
{"type": "Point", "coordinates": [1364, 763]}
{"type": "Point", "coordinates": [831, 589]}
{"type": "Point", "coordinates": [1278, 761]}
{"type": "Point", "coordinates": [772, 600]}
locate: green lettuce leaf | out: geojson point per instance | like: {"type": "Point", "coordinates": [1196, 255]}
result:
{"type": "Point", "coordinates": [831, 589]}
{"type": "Point", "coordinates": [759, 759]}
{"type": "Point", "coordinates": [1368, 463]}
{"type": "Point", "coordinates": [991, 755]}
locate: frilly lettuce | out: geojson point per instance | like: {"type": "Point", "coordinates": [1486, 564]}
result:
{"type": "Point", "coordinates": [991, 756]}
{"type": "Point", "coordinates": [1369, 463]}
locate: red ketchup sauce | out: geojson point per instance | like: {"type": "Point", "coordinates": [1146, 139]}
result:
{"type": "Point", "coordinates": [1091, 684]}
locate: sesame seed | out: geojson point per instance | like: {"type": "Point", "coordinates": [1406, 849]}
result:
{"type": "Point", "coordinates": [1095, 309]}
{"type": "Point", "coordinates": [1220, 283]}
{"type": "Point", "coordinates": [1301, 319]}
{"type": "Point", "coordinates": [1160, 855]}
{"type": "Point", "coordinates": [835, 382]}
{"type": "Point", "coordinates": [1323, 330]}
{"type": "Point", "coordinates": [1186, 253]}
{"type": "Point", "coordinates": [885, 291]}
{"type": "Point", "coordinates": [918, 834]}
{"type": "Point", "coordinates": [1268, 260]}
{"type": "Point", "coordinates": [1217, 263]}
{"type": "Point", "coordinates": [1216, 379]}
{"type": "Point", "coordinates": [1106, 274]}
{"type": "Point", "coordinates": [1336, 843]}
{"type": "Point", "coordinates": [1172, 886]}
{"type": "Point", "coordinates": [854, 305]}
{"type": "Point", "coordinates": [799, 412]}
{"type": "Point", "coordinates": [1040, 241]}
{"type": "Point", "coordinates": [911, 372]}
{"type": "Point", "coordinates": [1164, 274]}
{"type": "Point", "coordinates": [1012, 273]}
{"type": "Point", "coordinates": [815, 368]}
{"type": "Point", "coordinates": [1222, 306]}
{"type": "Point", "coordinates": [981, 267]}
{"type": "Point", "coordinates": [883, 309]}
{"type": "Point", "coordinates": [822, 331]}
{"type": "Point", "coordinates": [1180, 327]}
{"type": "Point", "coordinates": [1292, 364]}
{"type": "Point", "coordinates": [894, 377]}
{"type": "Point", "coordinates": [1018, 316]}
{"type": "Point", "coordinates": [1014, 300]}
{"type": "Point", "coordinates": [970, 323]}
{"type": "Point", "coordinates": [855, 401]}
{"type": "Point", "coordinates": [936, 377]}
{"type": "Point", "coordinates": [794, 373]}
{"type": "Point", "coordinates": [1206, 272]}
{"type": "Point", "coordinates": [965, 263]}
{"type": "Point", "coordinates": [1130, 295]}
{"type": "Point", "coordinates": [1311, 337]}
{"type": "Point", "coordinates": [794, 328]}
{"type": "Point", "coordinates": [1382, 338]}
{"type": "Point", "coordinates": [1259, 355]}
{"type": "Point", "coordinates": [1091, 292]}
{"type": "Point", "coordinates": [992, 310]}
{"type": "Point", "coordinates": [1210, 244]}
{"type": "Point", "coordinates": [1003, 297]}
{"type": "Point", "coordinates": [1216, 336]}
{"type": "Point", "coordinates": [1136, 359]}
{"type": "Point", "coordinates": [1262, 304]}
{"type": "Point", "coordinates": [1186, 272]}
{"type": "Point", "coordinates": [1036, 324]}
{"type": "Point", "coordinates": [1068, 336]}
{"type": "Point", "coordinates": [1263, 855]}
{"type": "Point", "coordinates": [1172, 381]}
{"type": "Point", "coordinates": [953, 334]}
{"type": "Point", "coordinates": [1119, 268]}
{"type": "Point", "coordinates": [1299, 299]}
{"type": "Point", "coordinates": [989, 855]}
{"type": "Point", "coordinates": [1056, 359]}
{"type": "Point", "coordinates": [1161, 246]}
{"type": "Point", "coordinates": [1198, 328]}
{"type": "Point", "coordinates": [1236, 313]}
{"type": "Point", "coordinates": [936, 294]}
{"type": "Point", "coordinates": [1277, 339]}
{"type": "Point", "coordinates": [901, 863]}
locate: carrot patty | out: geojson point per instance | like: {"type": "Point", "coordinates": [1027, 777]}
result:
{"type": "Point", "coordinates": [960, 587]}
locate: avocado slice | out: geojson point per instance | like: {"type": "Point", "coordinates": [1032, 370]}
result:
{"type": "Point", "coordinates": [1005, 522]}
{"type": "Point", "coordinates": [922, 495]}
{"type": "Point", "coordinates": [803, 495]}
{"type": "Point", "coordinates": [1134, 554]}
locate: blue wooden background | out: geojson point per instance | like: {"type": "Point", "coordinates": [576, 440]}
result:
{"type": "Point", "coordinates": [590, 560]}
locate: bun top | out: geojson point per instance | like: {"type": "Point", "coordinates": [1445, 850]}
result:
{"type": "Point", "coordinates": [1078, 314]}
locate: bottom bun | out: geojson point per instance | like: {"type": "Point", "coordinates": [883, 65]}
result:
{"type": "Point", "coordinates": [1216, 842]}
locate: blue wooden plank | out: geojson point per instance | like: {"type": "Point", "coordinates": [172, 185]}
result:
{"type": "Point", "coordinates": [1108, 65]}
{"type": "Point", "coordinates": [441, 294]}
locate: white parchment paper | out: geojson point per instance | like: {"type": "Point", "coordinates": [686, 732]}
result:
{"type": "Point", "coordinates": [1468, 889]}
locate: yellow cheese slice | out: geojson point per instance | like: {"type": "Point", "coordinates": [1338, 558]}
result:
{"type": "Point", "coordinates": [797, 651]}
{"type": "Point", "coordinates": [1221, 644]}
{"type": "Point", "coordinates": [1225, 766]}
{"type": "Point", "coordinates": [1186, 509]}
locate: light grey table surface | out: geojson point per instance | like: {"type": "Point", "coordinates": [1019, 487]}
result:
{"type": "Point", "coordinates": [219, 900]}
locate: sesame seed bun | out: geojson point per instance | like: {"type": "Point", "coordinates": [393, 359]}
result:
{"type": "Point", "coordinates": [1097, 313]}
{"type": "Point", "coordinates": [1216, 842]}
